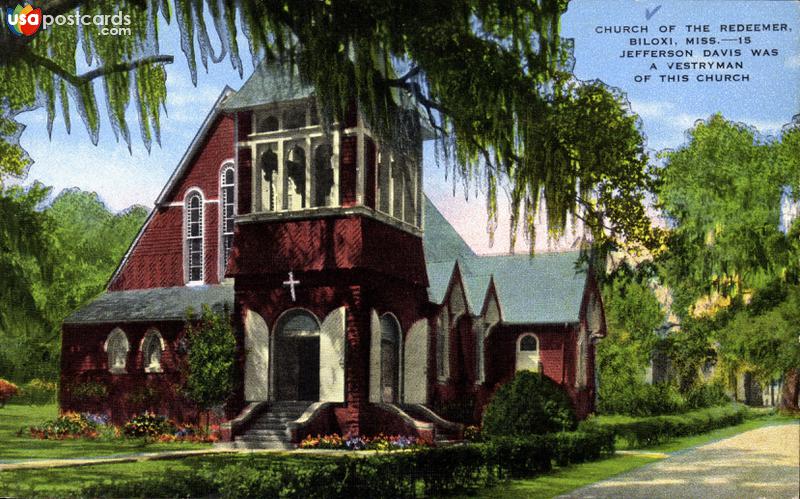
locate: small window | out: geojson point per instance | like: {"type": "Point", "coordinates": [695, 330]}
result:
{"type": "Point", "coordinates": [528, 353]}
{"type": "Point", "coordinates": [269, 180]}
{"type": "Point", "coordinates": [116, 348]}
{"type": "Point", "coordinates": [152, 348]}
{"type": "Point", "coordinates": [267, 124]}
{"type": "Point", "coordinates": [194, 237]}
{"type": "Point", "coordinates": [228, 212]}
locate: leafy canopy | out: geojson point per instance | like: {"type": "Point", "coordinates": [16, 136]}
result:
{"type": "Point", "coordinates": [491, 77]}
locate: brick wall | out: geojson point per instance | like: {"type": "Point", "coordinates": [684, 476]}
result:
{"type": "Point", "coordinates": [157, 260]}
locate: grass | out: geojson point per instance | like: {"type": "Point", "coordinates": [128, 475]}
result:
{"type": "Point", "coordinates": [15, 447]}
{"type": "Point", "coordinates": [564, 480]}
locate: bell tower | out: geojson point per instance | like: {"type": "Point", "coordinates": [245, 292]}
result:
{"type": "Point", "coordinates": [327, 243]}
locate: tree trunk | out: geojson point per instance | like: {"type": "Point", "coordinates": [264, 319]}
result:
{"type": "Point", "coordinates": [791, 389]}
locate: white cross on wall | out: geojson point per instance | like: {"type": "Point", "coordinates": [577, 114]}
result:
{"type": "Point", "coordinates": [291, 284]}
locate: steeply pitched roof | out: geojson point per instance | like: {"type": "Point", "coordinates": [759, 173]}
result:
{"type": "Point", "coordinates": [162, 304]}
{"type": "Point", "coordinates": [546, 288]}
{"type": "Point", "coordinates": [441, 242]}
{"type": "Point", "coordinates": [269, 83]}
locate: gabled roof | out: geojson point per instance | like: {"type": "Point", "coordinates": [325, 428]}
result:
{"type": "Point", "coordinates": [545, 288]}
{"type": "Point", "coordinates": [269, 83]}
{"type": "Point", "coordinates": [154, 304]}
{"type": "Point", "coordinates": [180, 169]}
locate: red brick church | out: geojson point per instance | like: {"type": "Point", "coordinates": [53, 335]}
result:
{"type": "Point", "coordinates": [357, 307]}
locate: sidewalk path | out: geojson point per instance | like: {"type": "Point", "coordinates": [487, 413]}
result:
{"type": "Point", "coordinates": [758, 463]}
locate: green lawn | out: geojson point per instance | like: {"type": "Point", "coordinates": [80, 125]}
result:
{"type": "Point", "coordinates": [13, 447]}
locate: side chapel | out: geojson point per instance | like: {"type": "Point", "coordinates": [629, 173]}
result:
{"type": "Point", "coordinates": [357, 307]}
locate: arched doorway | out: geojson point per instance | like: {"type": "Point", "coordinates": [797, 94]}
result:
{"type": "Point", "coordinates": [390, 359]}
{"type": "Point", "coordinates": [296, 358]}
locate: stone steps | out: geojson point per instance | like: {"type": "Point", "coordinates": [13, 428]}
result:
{"type": "Point", "coordinates": [268, 430]}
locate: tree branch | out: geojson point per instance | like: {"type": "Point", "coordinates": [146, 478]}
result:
{"type": "Point", "coordinates": [79, 80]}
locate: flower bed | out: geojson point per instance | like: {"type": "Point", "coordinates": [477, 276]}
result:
{"type": "Point", "coordinates": [148, 426]}
{"type": "Point", "coordinates": [379, 442]}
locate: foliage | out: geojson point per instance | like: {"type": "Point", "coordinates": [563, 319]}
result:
{"type": "Point", "coordinates": [633, 314]}
{"type": "Point", "coordinates": [647, 431]}
{"type": "Point", "coordinates": [7, 391]}
{"type": "Point", "coordinates": [69, 425]}
{"type": "Point", "coordinates": [529, 404]}
{"type": "Point", "coordinates": [642, 399]}
{"type": "Point", "coordinates": [211, 359]}
{"type": "Point", "coordinates": [492, 78]}
{"type": "Point", "coordinates": [53, 260]}
{"type": "Point", "coordinates": [732, 263]}
{"type": "Point", "coordinates": [436, 470]}
{"type": "Point", "coordinates": [38, 391]}
{"type": "Point", "coordinates": [92, 391]}
{"type": "Point", "coordinates": [148, 425]}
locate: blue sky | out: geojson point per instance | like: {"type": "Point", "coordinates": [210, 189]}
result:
{"type": "Point", "coordinates": [767, 101]}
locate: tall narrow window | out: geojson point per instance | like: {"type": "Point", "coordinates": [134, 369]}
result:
{"type": "Point", "coordinates": [116, 348]}
{"type": "Point", "coordinates": [295, 179]}
{"type": "Point", "coordinates": [269, 180]}
{"type": "Point", "coordinates": [397, 189]}
{"type": "Point", "coordinates": [194, 237]}
{"type": "Point", "coordinates": [228, 211]}
{"type": "Point", "coordinates": [384, 183]}
{"type": "Point", "coordinates": [442, 345]}
{"type": "Point", "coordinates": [390, 358]}
{"type": "Point", "coordinates": [528, 353]}
{"type": "Point", "coordinates": [323, 175]}
{"type": "Point", "coordinates": [409, 192]}
{"type": "Point", "coordinates": [152, 348]}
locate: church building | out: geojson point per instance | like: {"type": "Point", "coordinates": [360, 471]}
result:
{"type": "Point", "coordinates": [357, 307]}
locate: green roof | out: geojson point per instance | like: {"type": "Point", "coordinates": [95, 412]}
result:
{"type": "Point", "coordinates": [165, 304]}
{"type": "Point", "coordinates": [269, 83]}
{"type": "Point", "coordinates": [441, 241]}
{"type": "Point", "coordinates": [545, 288]}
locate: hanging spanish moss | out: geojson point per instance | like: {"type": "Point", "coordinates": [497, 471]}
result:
{"type": "Point", "coordinates": [492, 80]}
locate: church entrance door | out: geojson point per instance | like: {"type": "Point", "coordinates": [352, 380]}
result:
{"type": "Point", "coordinates": [297, 357]}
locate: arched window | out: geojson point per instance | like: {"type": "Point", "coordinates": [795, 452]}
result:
{"type": "Point", "coordinates": [409, 193]}
{"type": "Point", "coordinates": [442, 345]}
{"type": "Point", "coordinates": [194, 237]}
{"type": "Point", "coordinates": [152, 348]}
{"type": "Point", "coordinates": [397, 189]}
{"type": "Point", "coordinates": [323, 175]}
{"type": "Point", "coordinates": [528, 353]}
{"type": "Point", "coordinates": [227, 183]}
{"type": "Point", "coordinates": [390, 358]}
{"type": "Point", "coordinates": [269, 180]}
{"type": "Point", "coordinates": [267, 123]}
{"type": "Point", "coordinates": [295, 179]}
{"type": "Point", "coordinates": [116, 348]}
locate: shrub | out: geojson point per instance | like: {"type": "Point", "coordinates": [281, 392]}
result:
{"type": "Point", "coordinates": [149, 425]}
{"type": "Point", "coordinates": [706, 395]}
{"type": "Point", "coordinates": [172, 483]}
{"type": "Point", "coordinates": [379, 442]}
{"type": "Point", "coordinates": [582, 446]}
{"type": "Point", "coordinates": [38, 392]}
{"type": "Point", "coordinates": [90, 391]}
{"type": "Point", "coordinates": [518, 456]}
{"type": "Point", "coordinates": [641, 399]}
{"type": "Point", "coordinates": [7, 390]}
{"type": "Point", "coordinates": [528, 405]}
{"type": "Point", "coordinates": [653, 430]}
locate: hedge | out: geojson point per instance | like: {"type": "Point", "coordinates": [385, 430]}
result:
{"type": "Point", "coordinates": [654, 430]}
{"type": "Point", "coordinates": [439, 471]}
